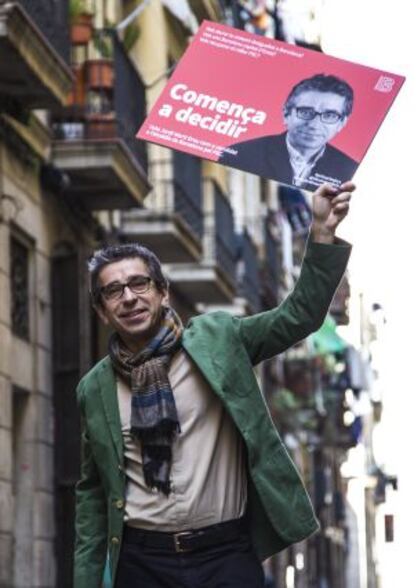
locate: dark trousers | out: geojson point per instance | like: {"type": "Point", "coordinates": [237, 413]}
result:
{"type": "Point", "coordinates": [229, 565]}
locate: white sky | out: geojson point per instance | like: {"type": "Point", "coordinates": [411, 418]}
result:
{"type": "Point", "coordinates": [378, 33]}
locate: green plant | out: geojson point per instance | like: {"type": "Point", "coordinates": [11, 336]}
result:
{"type": "Point", "coordinates": [131, 36]}
{"type": "Point", "coordinates": [103, 43]}
{"type": "Point", "coordinates": [76, 8]}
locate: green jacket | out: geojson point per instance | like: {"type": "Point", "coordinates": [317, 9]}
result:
{"type": "Point", "coordinates": [224, 348]}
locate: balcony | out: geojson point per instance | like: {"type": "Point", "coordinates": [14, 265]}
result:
{"type": "Point", "coordinates": [173, 224]}
{"type": "Point", "coordinates": [94, 138]}
{"type": "Point", "coordinates": [52, 19]}
{"type": "Point", "coordinates": [213, 280]}
{"type": "Point", "coordinates": [33, 70]}
{"type": "Point", "coordinates": [270, 268]}
{"type": "Point", "coordinates": [249, 285]}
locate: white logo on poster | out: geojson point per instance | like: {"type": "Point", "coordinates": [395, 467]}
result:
{"type": "Point", "coordinates": [384, 84]}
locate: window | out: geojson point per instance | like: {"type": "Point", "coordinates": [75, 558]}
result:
{"type": "Point", "coordinates": [19, 281]}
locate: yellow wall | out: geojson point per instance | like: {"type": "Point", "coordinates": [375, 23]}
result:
{"type": "Point", "coordinates": [150, 52]}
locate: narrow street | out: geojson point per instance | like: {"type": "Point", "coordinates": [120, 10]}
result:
{"type": "Point", "coordinates": [78, 79]}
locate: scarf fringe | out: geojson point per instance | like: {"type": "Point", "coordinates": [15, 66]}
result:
{"type": "Point", "coordinates": [160, 485]}
{"type": "Point", "coordinates": [166, 428]}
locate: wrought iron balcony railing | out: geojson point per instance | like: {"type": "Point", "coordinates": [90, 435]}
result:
{"type": "Point", "coordinates": [52, 19]}
{"type": "Point", "coordinates": [108, 99]}
{"type": "Point", "coordinates": [250, 282]}
{"type": "Point", "coordinates": [225, 236]}
{"type": "Point", "coordinates": [188, 190]}
{"type": "Point", "coordinates": [129, 101]}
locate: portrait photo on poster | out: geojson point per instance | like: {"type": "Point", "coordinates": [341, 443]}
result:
{"type": "Point", "coordinates": [315, 111]}
{"type": "Point", "coordinates": [280, 111]}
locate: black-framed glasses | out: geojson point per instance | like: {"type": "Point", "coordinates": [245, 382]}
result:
{"type": "Point", "coordinates": [330, 117]}
{"type": "Point", "coordinates": [137, 284]}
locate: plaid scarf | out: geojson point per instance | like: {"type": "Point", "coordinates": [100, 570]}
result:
{"type": "Point", "coordinates": [154, 419]}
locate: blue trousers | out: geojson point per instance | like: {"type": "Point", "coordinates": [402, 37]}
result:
{"type": "Point", "coordinates": [229, 565]}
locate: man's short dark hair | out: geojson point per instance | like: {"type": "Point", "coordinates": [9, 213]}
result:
{"type": "Point", "coordinates": [323, 83]}
{"type": "Point", "coordinates": [114, 253]}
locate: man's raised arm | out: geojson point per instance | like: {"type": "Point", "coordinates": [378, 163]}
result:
{"type": "Point", "coordinates": [303, 311]}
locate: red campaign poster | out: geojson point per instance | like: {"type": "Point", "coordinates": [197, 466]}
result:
{"type": "Point", "coordinates": [273, 109]}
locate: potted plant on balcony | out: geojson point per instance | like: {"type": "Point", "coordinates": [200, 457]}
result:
{"type": "Point", "coordinates": [81, 23]}
{"type": "Point", "coordinates": [100, 71]}
{"type": "Point", "coordinates": [77, 96]}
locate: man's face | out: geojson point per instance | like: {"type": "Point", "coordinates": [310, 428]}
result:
{"type": "Point", "coordinates": [312, 135]}
{"type": "Point", "coordinates": [135, 317]}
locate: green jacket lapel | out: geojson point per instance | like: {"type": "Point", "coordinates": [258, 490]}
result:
{"type": "Point", "coordinates": [194, 342]}
{"type": "Point", "coordinates": [107, 388]}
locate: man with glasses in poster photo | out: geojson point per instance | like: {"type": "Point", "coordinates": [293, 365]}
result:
{"type": "Point", "coordinates": [315, 111]}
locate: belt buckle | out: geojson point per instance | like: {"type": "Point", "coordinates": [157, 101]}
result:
{"type": "Point", "coordinates": [177, 545]}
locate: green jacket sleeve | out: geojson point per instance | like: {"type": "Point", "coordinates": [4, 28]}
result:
{"type": "Point", "coordinates": [303, 311]}
{"type": "Point", "coordinates": [91, 517]}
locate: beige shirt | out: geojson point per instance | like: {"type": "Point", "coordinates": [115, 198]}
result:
{"type": "Point", "coordinates": [208, 476]}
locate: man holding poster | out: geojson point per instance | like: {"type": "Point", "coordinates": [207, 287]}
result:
{"type": "Point", "coordinates": [315, 111]}
{"type": "Point", "coordinates": [185, 481]}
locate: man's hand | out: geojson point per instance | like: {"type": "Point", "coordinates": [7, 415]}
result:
{"type": "Point", "coordinates": [329, 207]}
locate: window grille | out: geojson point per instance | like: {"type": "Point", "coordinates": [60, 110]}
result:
{"type": "Point", "coordinates": [19, 280]}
